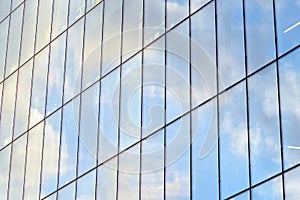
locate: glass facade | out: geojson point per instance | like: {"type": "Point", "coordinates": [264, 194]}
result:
{"type": "Point", "coordinates": [149, 99]}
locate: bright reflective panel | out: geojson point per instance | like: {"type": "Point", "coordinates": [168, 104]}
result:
{"type": "Point", "coordinates": [4, 8]}
{"type": "Point", "coordinates": [86, 186]}
{"type": "Point", "coordinates": [264, 131]}
{"type": "Point", "coordinates": [12, 58]}
{"type": "Point", "coordinates": [60, 17]}
{"type": "Point", "coordinates": [91, 4]}
{"type": "Point", "coordinates": [292, 184]}
{"type": "Point", "coordinates": [3, 39]}
{"type": "Point", "coordinates": [23, 99]}
{"type": "Point", "coordinates": [233, 141]}
{"type": "Point", "coordinates": [28, 35]}
{"type": "Point", "coordinates": [76, 10]}
{"type": "Point", "coordinates": [177, 10]}
{"type": "Point", "coordinates": [4, 170]}
{"type": "Point", "coordinates": [38, 91]}
{"type": "Point", "coordinates": [67, 192]}
{"type": "Point", "coordinates": [231, 59]}
{"type": "Point", "coordinates": [50, 154]}
{"type": "Point", "coordinates": [33, 162]}
{"type": "Point", "coordinates": [288, 24]}
{"type": "Point", "coordinates": [243, 196]}
{"type": "Point", "coordinates": [56, 74]}
{"type": "Point", "coordinates": [177, 158]}
{"type": "Point", "coordinates": [289, 78]}
{"type": "Point", "coordinates": [92, 47]}
{"type": "Point", "coordinates": [205, 152]}
{"type": "Point", "coordinates": [73, 61]}
{"type": "Point", "coordinates": [269, 190]}
{"type": "Point", "coordinates": [196, 4]}
{"type": "Point", "coordinates": [259, 33]}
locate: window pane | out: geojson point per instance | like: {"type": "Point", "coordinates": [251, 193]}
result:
{"type": "Point", "coordinates": [86, 186]}
{"type": "Point", "coordinates": [3, 39]}
{"type": "Point", "coordinates": [203, 55]}
{"type": "Point", "coordinates": [12, 59]}
{"type": "Point", "coordinates": [92, 3]}
{"type": "Point", "coordinates": [109, 113]}
{"type": "Point", "coordinates": [111, 37]}
{"type": "Point", "coordinates": [264, 132]}
{"type": "Point", "coordinates": [4, 170]}
{"type": "Point", "coordinates": [288, 21]}
{"type": "Point", "coordinates": [128, 179]}
{"type": "Point", "coordinates": [260, 33]}
{"type": "Point", "coordinates": [153, 87]}
{"type": "Point", "coordinates": [33, 166]}
{"type": "Point", "coordinates": [132, 27]}
{"type": "Point", "coordinates": [177, 158]}
{"type": "Point", "coordinates": [23, 99]}
{"type": "Point", "coordinates": [289, 73]}
{"type": "Point", "coordinates": [4, 8]}
{"type": "Point", "coordinates": [67, 192]}
{"type": "Point", "coordinates": [152, 173]}
{"type": "Point", "coordinates": [50, 154]}
{"type": "Point", "coordinates": [73, 62]}
{"type": "Point", "coordinates": [44, 24]}
{"type": "Point", "coordinates": [29, 26]}
{"type": "Point", "coordinates": [233, 141]}
{"type": "Point", "coordinates": [76, 10]}
{"type": "Point", "coordinates": [88, 129]}
{"type": "Point", "coordinates": [15, 3]}
{"type": "Point", "coordinates": [231, 59]}
{"type": "Point", "coordinates": [154, 22]}
{"type": "Point", "coordinates": [92, 47]}
{"type": "Point", "coordinates": [177, 10]}
{"type": "Point", "coordinates": [177, 74]}
{"type": "Point", "coordinates": [69, 142]}
{"type": "Point", "coordinates": [243, 196]}
{"type": "Point", "coordinates": [38, 94]}
{"type": "Point", "coordinates": [269, 190]}
{"type": "Point", "coordinates": [130, 107]}
{"type": "Point", "coordinates": [56, 74]}
{"type": "Point", "coordinates": [205, 152]}
{"type": "Point", "coordinates": [7, 112]}
{"type": "Point", "coordinates": [60, 17]}
{"type": "Point", "coordinates": [17, 168]}
{"type": "Point", "coordinates": [196, 4]}
{"type": "Point", "coordinates": [292, 182]}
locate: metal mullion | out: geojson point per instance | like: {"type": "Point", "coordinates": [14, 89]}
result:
{"type": "Point", "coordinates": [165, 96]}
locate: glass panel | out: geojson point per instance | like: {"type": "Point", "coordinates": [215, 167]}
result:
{"type": "Point", "coordinates": [264, 133]}
{"type": "Point", "coordinates": [260, 33]}
{"type": "Point", "coordinates": [177, 72]}
{"type": "Point", "coordinates": [132, 27]}
{"type": "Point", "coordinates": [269, 190]}
{"type": "Point", "coordinates": [153, 87]}
{"type": "Point", "coordinates": [128, 179]}
{"type": "Point", "coordinates": [109, 114]}
{"type": "Point", "coordinates": [287, 21]}
{"type": "Point", "coordinates": [15, 3]}
{"type": "Point", "coordinates": [243, 196]}
{"type": "Point", "coordinates": [33, 166]}
{"type": "Point", "coordinates": [60, 17]}
{"type": "Point", "coordinates": [7, 112]}
{"type": "Point", "coordinates": [88, 129]}
{"type": "Point", "coordinates": [23, 99]}
{"type": "Point", "coordinates": [74, 61]}
{"type": "Point", "coordinates": [92, 3]}
{"type": "Point", "coordinates": [29, 27]}
{"type": "Point", "coordinates": [4, 8]}
{"type": "Point", "coordinates": [3, 39]}
{"type": "Point", "coordinates": [203, 55]}
{"type": "Point", "coordinates": [292, 182]}
{"type": "Point", "coordinates": [44, 24]}
{"type": "Point", "coordinates": [17, 168]}
{"type": "Point", "coordinates": [289, 77]}
{"type": "Point", "coordinates": [69, 142]}
{"type": "Point", "coordinates": [196, 4]}
{"type": "Point", "coordinates": [112, 35]}
{"type": "Point", "coordinates": [130, 121]}
{"type": "Point", "coordinates": [205, 152]}
{"type": "Point", "coordinates": [38, 94]}
{"type": "Point", "coordinates": [233, 141]}
{"type": "Point", "coordinates": [154, 22]}
{"type": "Point", "coordinates": [86, 186]}
{"type": "Point", "coordinates": [50, 154]}
{"type": "Point", "coordinates": [107, 180]}
{"type": "Point", "coordinates": [56, 74]}
{"type": "Point", "coordinates": [12, 58]}
{"type": "Point", "coordinates": [76, 10]}
{"type": "Point", "coordinates": [177, 159]}
{"type": "Point", "coordinates": [177, 10]}
{"type": "Point", "coordinates": [152, 173]}
{"type": "Point", "coordinates": [4, 171]}
{"type": "Point", "coordinates": [231, 59]}
{"type": "Point", "coordinates": [67, 192]}
{"type": "Point", "coordinates": [92, 47]}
